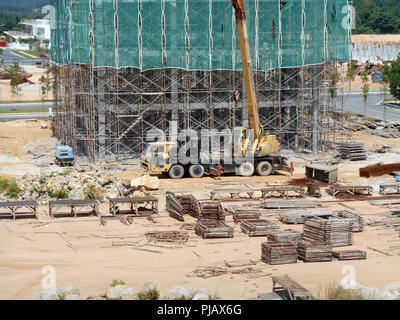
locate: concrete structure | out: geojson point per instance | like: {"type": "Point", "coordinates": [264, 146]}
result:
{"type": "Point", "coordinates": [39, 29]}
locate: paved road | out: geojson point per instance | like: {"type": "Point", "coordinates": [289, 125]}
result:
{"type": "Point", "coordinates": [354, 103]}
{"type": "Point", "coordinates": [24, 116]}
{"type": "Point", "coordinates": [8, 58]}
{"type": "Point", "coordinates": [17, 106]}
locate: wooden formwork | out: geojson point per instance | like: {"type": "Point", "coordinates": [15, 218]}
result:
{"type": "Point", "coordinates": [254, 228]}
{"type": "Point", "coordinates": [278, 253]}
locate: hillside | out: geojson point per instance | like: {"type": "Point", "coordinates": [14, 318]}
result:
{"type": "Point", "coordinates": [21, 6]}
{"type": "Point", "coordinates": [377, 16]}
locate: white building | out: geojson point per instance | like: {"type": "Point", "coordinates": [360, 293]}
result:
{"type": "Point", "coordinates": [39, 29]}
{"type": "Point", "coordinates": [16, 39]}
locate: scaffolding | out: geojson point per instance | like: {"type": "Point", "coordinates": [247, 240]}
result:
{"type": "Point", "coordinates": [112, 88]}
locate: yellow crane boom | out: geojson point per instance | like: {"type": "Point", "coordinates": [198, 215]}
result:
{"type": "Point", "coordinates": [254, 119]}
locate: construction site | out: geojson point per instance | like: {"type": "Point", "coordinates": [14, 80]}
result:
{"type": "Point", "coordinates": [309, 207]}
{"type": "Point", "coordinates": [118, 77]}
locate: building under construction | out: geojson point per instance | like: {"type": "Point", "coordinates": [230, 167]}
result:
{"type": "Point", "coordinates": [124, 67]}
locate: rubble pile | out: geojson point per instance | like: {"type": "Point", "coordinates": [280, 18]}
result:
{"type": "Point", "coordinates": [381, 128]}
{"type": "Point", "coordinates": [70, 184]}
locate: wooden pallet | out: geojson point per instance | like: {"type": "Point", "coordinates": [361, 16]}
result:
{"type": "Point", "coordinates": [350, 255]}
{"type": "Point", "coordinates": [278, 253]}
{"type": "Point", "coordinates": [254, 228]}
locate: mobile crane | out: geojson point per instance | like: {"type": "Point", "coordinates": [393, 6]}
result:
{"type": "Point", "coordinates": [258, 151]}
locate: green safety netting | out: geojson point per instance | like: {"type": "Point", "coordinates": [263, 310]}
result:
{"type": "Point", "coordinates": [198, 34]}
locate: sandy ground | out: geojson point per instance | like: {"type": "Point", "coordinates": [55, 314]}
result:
{"type": "Point", "coordinates": [375, 38]}
{"type": "Point", "coordinates": [29, 245]}
{"type": "Point", "coordinates": [29, 92]}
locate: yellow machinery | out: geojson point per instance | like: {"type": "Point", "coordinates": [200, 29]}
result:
{"type": "Point", "coordinates": [257, 152]}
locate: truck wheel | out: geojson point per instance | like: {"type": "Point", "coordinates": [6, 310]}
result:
{"type": "Point", "coordinates": [196, 171]}
{"type": "Point", "coordinates": [264, 168]}
{"type": "Point", "coordinates": [176, 171]}
{"type": "Point", "coordinates": [246, 169]}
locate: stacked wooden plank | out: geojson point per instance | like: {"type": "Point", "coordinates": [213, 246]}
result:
{"type": "Point", "coordinates": [255, 228]}
{"type": "Point", "coordinates": [357, 222]}
{"type": "Point", "coordinates": [174, 207]}
{"type": "Point", "coordinates": [336, 231]}
{"type": "Point", "coordinates": [245, 214]}
{"type": "Point", "coordinates": [350, 255]}
{"type": "Point", "coordinates": [313, 251]}
{"type": "Point", "coordinates": [211, 223]}
{"type": "Point", "coordinates": [288, 235]}
{"type": "Point", "coordinates": [179, 205]}
{"type": "Point", "coordinates": [353, 150]}
{"type": "Point", "coordinates": [213, 229]}
{"type": "Point", "coordinates": [211, 210]}
{"type": "Point", "coordinates": [300, 216]}
{"type": "Point", "coordinates": [278, 253]}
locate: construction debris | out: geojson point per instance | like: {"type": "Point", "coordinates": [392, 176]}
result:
{"type": "Point", "coordinates": [336, 231]}
{"type": "Point", "coordinates": [313, 189]}
{"type": "Point", "coordinates": [389, 189]}
{"type": "Point", "coordinates": [168, 236]}
{"type": "Point", "coordinates": [314, 251]}
{"type": "Point", "coordinates": [379, 169]}
{"type": "Point", "coordinates": [353, 150]}
{"type": "Point", "coordinates": [350, 255]}
{"type": "Point", "coordinates": [278, 253]}
{"type": "Point", "coordinates": [287, 235]}
{"type": "Point", "coordinates": [255, 228]}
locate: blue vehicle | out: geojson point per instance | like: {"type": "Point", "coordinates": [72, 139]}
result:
{"type": "Point", "coordinates": [64, 155]}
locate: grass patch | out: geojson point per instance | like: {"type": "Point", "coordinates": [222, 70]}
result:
{"type": "Point", "coordinates": [25, 101]}
{"type": "Point", "coordinates": [373, 119]}
{"type": "Point", "coordinates": [25, 110]}
{"type": "Point", "coordinates": [32, 53]}
{"type": "Point", "coordinates": [333, 292]}
{"type": "Point", "coordinates": [65, 172]}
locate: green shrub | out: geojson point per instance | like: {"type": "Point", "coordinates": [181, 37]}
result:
{"type": "Point", "coordinates": [152, 294]}
{"type": "Point", "coordinates": [117, 282]}
{"type": "Point", "coordinates": [13, 190]}
{"type": "Point", "coordinates": [61, 193]}
{"type": "Point", "coordinates": [11, 187]}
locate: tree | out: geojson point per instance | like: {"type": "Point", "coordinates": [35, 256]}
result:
{"type": "Point", "coordinates": [351, 72]}
{"type": "Point", "coordinates": [365, 89]}
{"type": "Point", "coordinates": [46, 84]}
{"type": "Point", "coordinates": [14, 82]}
{"type": "Point", "coordinates": [393, 75]}
{"type": "Point", "coordinates": [385, 88]}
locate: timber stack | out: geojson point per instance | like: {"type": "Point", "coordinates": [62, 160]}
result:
{"type": "Point", "coordinates": [353, 150]}
{"type": "Point", "coordinates": [278, 253]}
{"type": "Point", "coordinates": [259, 227]}
{"type": "Point", "coordinates": [314, 251]}
{"type": "Point", "coordinates": [335, 231]}
{"type": "Point", "coordinates": [357, 222]}
{"type": "Point", "coordinates": [245, 214]}
{"type": "Point", "coordinates": [288, 235]}
{"type": "Point", "coordinates": [350, 255]}
{"type": "Point", "coordinates": [179, 205]}
{"type": "Point", "coordinates": [211, 221]}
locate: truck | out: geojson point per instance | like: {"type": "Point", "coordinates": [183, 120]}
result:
{"type": "Point", "coordinates": [64, 155]}
{"type": "Point", "coordinates": [255, 153]}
